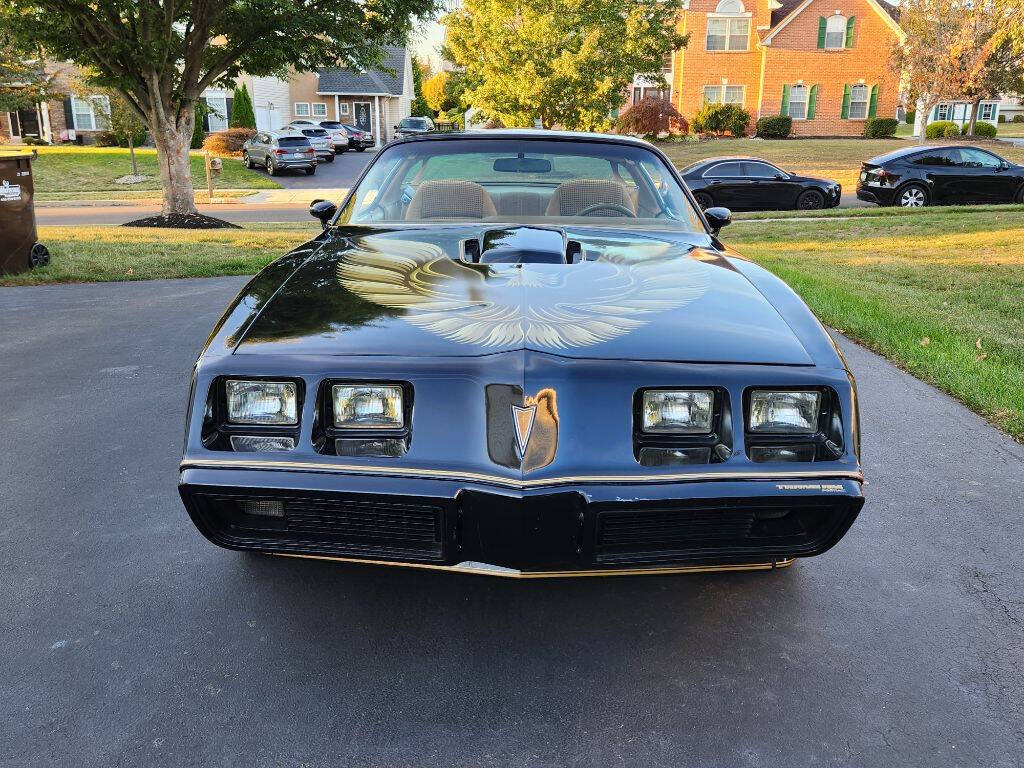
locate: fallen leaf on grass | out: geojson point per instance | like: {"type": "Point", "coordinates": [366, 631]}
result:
{"type": "Point", "coordinates": [979, 358]}
{"type": "Point", "coordinates": [978, 343]}
{"type": "Point", "coordinates": [925, 341]}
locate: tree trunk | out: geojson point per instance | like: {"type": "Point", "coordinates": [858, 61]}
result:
{"type": "Point", "coordinates": [974, 115]}
{"type": "Point", "coordinates": [172, 145]}
{"type": "Point", "coordinates": [131, 152]}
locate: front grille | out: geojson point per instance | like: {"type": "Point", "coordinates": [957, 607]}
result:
{"type": "Point", "coordinates": [670, 528]}
{"type": "Point", "coordinates": [372, 524]}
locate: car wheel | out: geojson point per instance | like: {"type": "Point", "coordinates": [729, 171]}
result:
{"type": "Point", "coordinates": [330, 158]}
{"type": "Point", "coordinates": [360, 149]}
{"type": "Point", "coordinates": [811, 200]}
{"type": "Point", "coordinates": [246, 161]}
{"type": "Point", "coordinates": [1020, 195]}
{"type": "Point", "coordinates": [912, 196]}
{"type": "Point", "coordinates": [704, 200]}
{"type": "Point", "coordinates": [310, 171]}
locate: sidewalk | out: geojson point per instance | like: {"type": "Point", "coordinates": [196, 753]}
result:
{"type": "Point", "coordinates": [221, 197]}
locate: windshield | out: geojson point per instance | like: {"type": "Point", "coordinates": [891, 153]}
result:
{"type": "Point", "coordinates": [292, 141]}
{"type": "Point", "coordinates": [330, 124]}
{"type": "Point", "coordinates": [413, 122]}
{"type": "Point", "coordinates": [538, 181]}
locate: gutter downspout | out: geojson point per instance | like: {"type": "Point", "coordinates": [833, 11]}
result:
{"type": "Point", "coordinates": [760, 83]}
{"type": "Point", "coordinates": [376, 134]}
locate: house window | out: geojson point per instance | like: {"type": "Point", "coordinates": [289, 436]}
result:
{"type": "Point", "coordinates": [319, 109]}
{"type": "Point", "coordinates": [942, 112]}
{"type": "Point", "coordinates": [344, 108]}
{"type": "Point", "coordinates": [798, 102]}
{"type": "Point", "coordinates": [987, 112]}
{"type": "Point", "coordinates": [728, 28]}
{"type": "Point", "coordinates": [301, 109]}
{"type": "Point", "coordinates": [217, 117]}
{"type": "Point", "coordinates": [91, 114]}
{"type": "Point", "coordinates": [835, 32]}
{"type": "Point", "coordinates": [724, 94]}
{"type": "Point", "coordinates": [858, 102]}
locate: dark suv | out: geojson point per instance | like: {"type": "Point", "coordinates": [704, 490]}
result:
{"type": "Point", "coordinates": [279, 150]}
{"type": "Point", "coordinates": [943, 175]}
{"type": "Point", "coordinates": [413, 126]}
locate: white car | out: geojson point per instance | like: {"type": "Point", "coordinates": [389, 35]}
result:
{"type": "Point", "coordinates": [321, 140]}
{"type": "Point", "coordinates": [338, 135]}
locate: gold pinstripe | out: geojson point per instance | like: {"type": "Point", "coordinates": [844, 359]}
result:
{"type": "Point", "coordinates": [509, 482]}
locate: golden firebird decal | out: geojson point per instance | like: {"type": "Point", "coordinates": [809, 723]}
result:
{"type": "Point", "coordinates": [549, 305]}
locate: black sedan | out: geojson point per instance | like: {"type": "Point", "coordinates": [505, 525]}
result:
{"type": "Point", "coordinates": [358, 139]}
{"type": "Point", "coordinates": [522, 353]}
{"type": "Point", "coordinates": [942, 175]}
{"type": "Point", "coordinates": [752, 184]}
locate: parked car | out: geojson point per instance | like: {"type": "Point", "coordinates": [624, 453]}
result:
{"type": "Point", "coordinates": [940, 175]}
{"type": "Point", "coordinates": [358, 139]}
{"type": "Point", "coordinates": [278, 151]}
{"type": "Point", "coordinates": [321, 140]}
{"type": "Point", "coordinates": [752, 184]}
{"type": "Point", "coordinates": [413, 126]}
{"type": "Point", "coordinates": [631, 395]}
{"type": "Point", "coordinates": [339, 136]}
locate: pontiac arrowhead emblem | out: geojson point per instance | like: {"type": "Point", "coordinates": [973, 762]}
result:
{"type": "Point", "coordinates": [523, 419]}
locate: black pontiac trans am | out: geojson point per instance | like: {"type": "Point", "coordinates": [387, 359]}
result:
{"type": "Point", "coordinates": [527, 354]}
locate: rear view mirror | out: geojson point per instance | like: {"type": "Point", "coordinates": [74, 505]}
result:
{"type": "Point", "coordinates": [522, 165]}
{"type": "Point", "coordinates": [323, 210]}
{"type": "Point", "coordinates": [717, 218]}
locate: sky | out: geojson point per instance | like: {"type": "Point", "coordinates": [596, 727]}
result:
{"type": "Point", "coordinates": [426, 41]}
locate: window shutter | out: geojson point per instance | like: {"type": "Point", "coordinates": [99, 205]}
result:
{"type": "Point", "coordinates": [851, 36]}
{"type": "Point", "coordinates": [206, 115]}
{"type": "Point", "coordinates": [845, 115]}
{"type": "Point", "coordinates": [69, 115]}
{"type": "Point", "coordinates": [785, 100]}
{"type": "Point", "coordinates": [873, 104]}
{"type": "Point", "coordinates": [821, 31]}
{"type": "Point", "coordinates": [812, 102]}
{"type": "Point", "coordinates": [229, 107]}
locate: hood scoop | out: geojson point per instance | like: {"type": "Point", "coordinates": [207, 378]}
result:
{"type": "Point", "coordinates": [522, 245]}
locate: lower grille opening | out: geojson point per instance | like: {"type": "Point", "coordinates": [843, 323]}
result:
{"type": "Point", "coordinates": [721, 528]}
{"type": "Point", "coordinates": [352, 526]}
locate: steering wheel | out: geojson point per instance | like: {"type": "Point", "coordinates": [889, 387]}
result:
{"type": "Point", "coordinates": [608, 207]}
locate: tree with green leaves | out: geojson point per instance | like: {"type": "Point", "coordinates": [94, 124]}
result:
{"type": "Point", "coordinates": [242, 113]}
{"type": "Point", "coordinates": [160, 55]}
{"type": "Point", "coordinates": [23, 81]}
{"type": "Point", "coordinates": [566, 62]}
{"type": "Point", "coordinates": [419, 108]}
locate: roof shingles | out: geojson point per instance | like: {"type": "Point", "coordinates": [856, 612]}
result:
{"type": "Point", "coordinates": [344, 80]}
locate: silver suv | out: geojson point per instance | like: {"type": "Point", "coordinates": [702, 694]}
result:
{"type": "Point", "coordinates": [336, 130]}
{"type": "Point", "coordinates": [320, 138]}
{"type": "Point", "coordinates": [279, 150]}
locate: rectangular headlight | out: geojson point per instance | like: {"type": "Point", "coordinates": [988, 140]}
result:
{"type": "Point", "coordinates": [368, 406]}
{"type": "Point", "coordinates": [781, 412]}
{"type": "Point", "coordinates": [685, 411]}
{"type": "Point", "coordinates": [262, 402]}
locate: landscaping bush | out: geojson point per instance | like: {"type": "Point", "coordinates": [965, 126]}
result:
{"type": "Point", "coordinates": [985, 130]}
{"type": "Point", "coordinates": [937, 129]}
{"type": "Point", "coordinates": [951, 131]}
{"type": "Point", "coordinates": [242, 114]}
{"type": "Point", "coordinates": [880, 127]}
{"type": "Point", "coordinates": [775, 126]}
{"type": "Point", "coordinates": [652, 115]}
{"type": "Point", "coordinates": [1018, 118]}
{"type": "Point", "coordinates": [722, 118]}
{"type": "Point", "coordinates": [228, 143]}
{"type": "Point", "coordinates": [911, 114]}
{"type": "Point", "coordinates": [104, 139]}
{"type": "Point", "coordinates": [1002, 119]}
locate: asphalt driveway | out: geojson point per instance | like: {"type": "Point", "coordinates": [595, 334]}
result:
{"type": "Point", "coordinates": [127, 639]}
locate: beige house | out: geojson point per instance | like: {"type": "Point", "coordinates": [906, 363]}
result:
{"type": "Point", "coordinates": [374, 100]}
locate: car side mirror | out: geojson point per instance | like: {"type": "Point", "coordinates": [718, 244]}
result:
{"type": "Point", "coordinates": [323, 210]}
{"type": "Point", "coordinates": [718, 217]}
{"type": "Point", "coordinates": [1004, 166]}
{"type": "Point", "coordinates": [780, 176]}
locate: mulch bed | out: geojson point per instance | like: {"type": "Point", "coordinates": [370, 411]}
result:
{"type": "Point", "coordinates": [183, 221]}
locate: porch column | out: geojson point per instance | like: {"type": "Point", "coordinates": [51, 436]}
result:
{"type": "Point", "coordinates": [337, 108]}
{"type": "Point", "coordinates": [376, 133]}
{"type": "Point", "coordinates": [44, 125]}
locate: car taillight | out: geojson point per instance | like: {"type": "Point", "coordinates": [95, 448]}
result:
{"type": "Point", "coordinates": [280, 152]}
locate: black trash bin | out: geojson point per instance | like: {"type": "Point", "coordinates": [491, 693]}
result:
{"type": "Point", "coordinates": [19, 246]}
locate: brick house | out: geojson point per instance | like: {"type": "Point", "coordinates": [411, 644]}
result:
{"type": "Point", "coordinates": [67, 118]}
{"type": "Point", "coordinates": [825, 63]}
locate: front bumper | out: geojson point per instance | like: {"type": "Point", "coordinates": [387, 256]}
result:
{"type": "Point", "coordinates": [541, 531]}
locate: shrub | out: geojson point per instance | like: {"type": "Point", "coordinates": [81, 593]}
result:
{"type": "Point", "coordinates": [652, 115]}
{"type": "Point", "coordinates": [32, 141]}
{"type": "Point", "coordinates": [1018, 118]}
{"type": "Point", "coordinates": [951, 131]}
{"type": "Point", "coordinates": [104, 139]}
{"type": "Point", "coordinates": [138, 136]}
{"type": "Point", "coordinates": [880, 127]}
{"type": "Point", "coordinates": [1002, 119]}
{"type": "Point", "coordinates": [722, 118]}
{"type": "Point", "coordinates": [229, 142]}
{"type": "Point", "coordinates": [985, 130]}
{"type": "Point", "coordinates": [775, 126]}
{"type": "Point", "coordinates": [911, 114]}
{"type": "Point", "coordinates": [242, 114]}
{"type": "Point", "coordinates": [937, 129]}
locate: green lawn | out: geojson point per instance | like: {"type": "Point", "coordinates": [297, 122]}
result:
{"type": "Point", "coordinates": [837, 159]}
{"type": "Point", "coordinates": [67, 172]}
{"type": "Point", "coordinates": [939, 293]}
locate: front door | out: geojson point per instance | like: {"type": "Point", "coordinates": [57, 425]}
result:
{"type": "Point", "coordinates": [29, 123]}
{"type": "Point", "coordinates": [364, 122]}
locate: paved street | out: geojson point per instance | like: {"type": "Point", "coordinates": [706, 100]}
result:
{"type": "Point", "coordinates": [128, 639]}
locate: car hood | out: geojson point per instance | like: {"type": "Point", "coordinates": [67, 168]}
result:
{"type": "Point", "coordinates": [636, 295]}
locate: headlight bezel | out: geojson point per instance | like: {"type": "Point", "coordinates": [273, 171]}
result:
{"type": "Point", "coordinates": [218, 428]}
{"type": "Point", "coordinates": [667, 445]}
{"type": "Point", "coordinates": [821, 410]}
{"type": "Point", "coordinates": [826, 442]}
{"type": "Point", "coordinates": [249, 423]}
{"type": "Point", "coordinates": [653, 391]}
{"type": "Point", "coordinates": [363, 428]}
{"type": "Point", "coordinates": [327, 435]}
